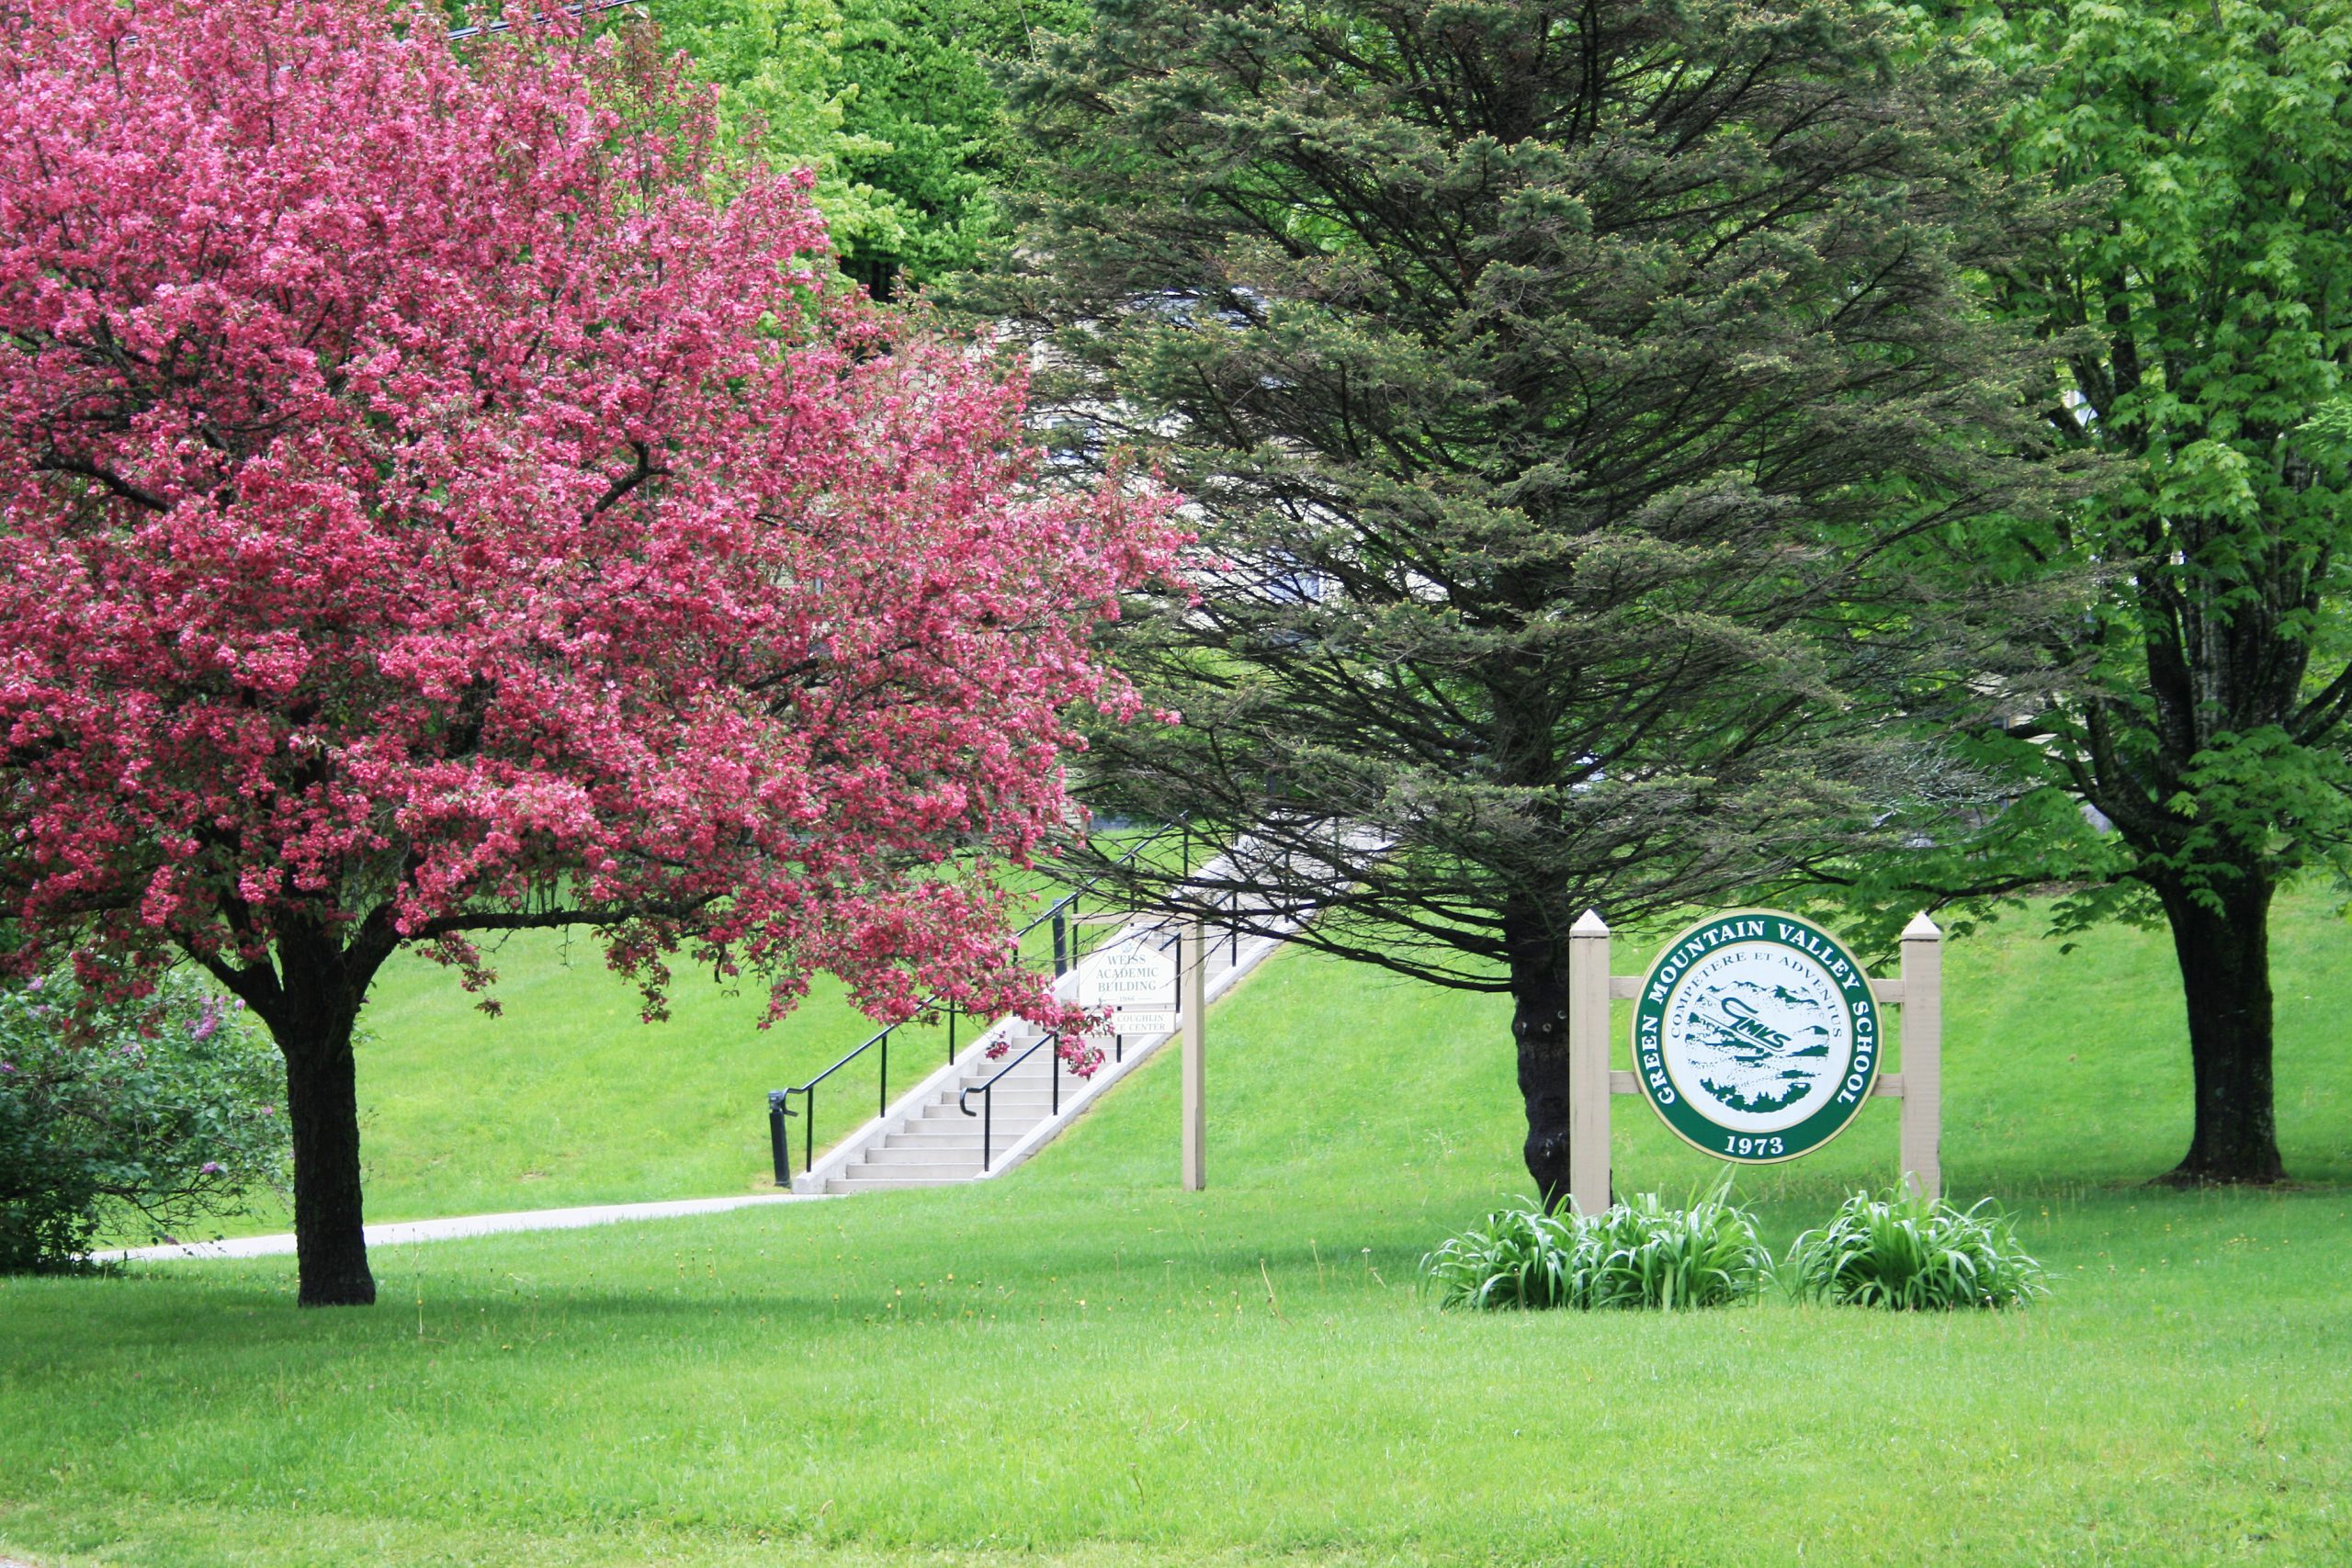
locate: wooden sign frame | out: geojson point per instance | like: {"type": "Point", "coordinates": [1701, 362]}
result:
{"type": "Point", "coordinates": [1918, 992]}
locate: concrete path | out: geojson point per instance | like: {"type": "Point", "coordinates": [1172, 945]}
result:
{"type": "Point", "coordinates": [463, 1226]}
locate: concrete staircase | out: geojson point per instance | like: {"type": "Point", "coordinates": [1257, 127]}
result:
{"type": "Point", "coordinates": [926, 1140]}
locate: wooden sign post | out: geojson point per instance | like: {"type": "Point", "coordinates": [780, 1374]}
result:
{"type": "Point", "coordinates": [1192, 1009]}
{"type": "Point", "coordinates": [1192, 1022]}
{"type": "Point", "coordinates": [1591, 1082]}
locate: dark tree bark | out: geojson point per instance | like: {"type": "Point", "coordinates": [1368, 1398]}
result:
{"type": "Point", "coordinates": [310, 999]}
{"type": "Point", "coordinates": [322, 1099]}
{"type": "Point", "coordinates": [1539, 990]}
{"type": "Point", "coordinates": [2225, 955]}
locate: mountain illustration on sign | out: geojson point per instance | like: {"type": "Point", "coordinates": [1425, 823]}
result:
{"type": "Point", "coordinates": [1758, 1047]}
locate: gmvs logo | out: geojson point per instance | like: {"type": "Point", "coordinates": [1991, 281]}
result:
{"type": "Point", "coordinates": [1756, 1037]}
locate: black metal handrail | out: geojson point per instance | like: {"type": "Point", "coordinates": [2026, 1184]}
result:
{"type": "Point", "coordinates": [987, 1091]}
{"type": "Point", "coordinates": [1059, 913]}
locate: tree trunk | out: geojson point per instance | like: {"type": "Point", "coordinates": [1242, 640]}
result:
{"type": "Point", "coordinates": [1539, 989]}
{"type": "Point", "coordinates": [2225, 975]}
{"type": "Point", "coordinates": [322, 1099]}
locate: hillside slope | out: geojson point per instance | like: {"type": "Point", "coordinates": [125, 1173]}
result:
{"type": "Point", "coordinates": [568, 1097]}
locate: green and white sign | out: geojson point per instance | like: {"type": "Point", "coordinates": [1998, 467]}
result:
{"type": "Point", "coordinates": [1756, 1036]}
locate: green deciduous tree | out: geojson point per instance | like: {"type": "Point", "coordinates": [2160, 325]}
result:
{"type": "Point", "coordinates": [893, 102]}
{"type": "Point", "coordinates": [930, 128]}
{"type": "Point", "coordinates": [2202, 305]}
{"type": "Point", "coordinates": [1577, 398]}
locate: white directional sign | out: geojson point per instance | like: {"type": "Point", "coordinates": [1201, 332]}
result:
{"type": "Point", "coordinates": [1136, 978]}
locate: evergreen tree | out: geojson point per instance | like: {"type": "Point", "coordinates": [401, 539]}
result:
{"type": "Point", "coordinates": [1580, 401]}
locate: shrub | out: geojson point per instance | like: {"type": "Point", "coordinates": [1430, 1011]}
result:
{"type": "Point", "coordinates": [160, 1112]}
{"type": "Point", "coordinates": [1707, 1254]}
{"type": "Point", "coordinates": [1904, 1252]}
{"type": "Point", "coordinates": [1638, 1254]}
{"type": "Point", "coordinates": [1514, 1257]}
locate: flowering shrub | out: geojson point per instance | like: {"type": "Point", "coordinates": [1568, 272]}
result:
{"type": "Point", "coordinates": [160, 1112]}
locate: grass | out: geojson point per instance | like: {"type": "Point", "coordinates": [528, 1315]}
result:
{"type": "Point", "coordinates": [1080, 1365]}
{"type": "Point", "coordinates": [1909, 1253]}
{"type": "Point", "coordinates": [568, 1097]}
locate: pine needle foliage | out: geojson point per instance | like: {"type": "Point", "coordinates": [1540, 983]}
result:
{"type": "Point", "coordinates": [1908, 1254]}
{"type": "Point", "coordinates": [1578, 399]}
{"type": "Point", "coordinates": [1636, 1254]}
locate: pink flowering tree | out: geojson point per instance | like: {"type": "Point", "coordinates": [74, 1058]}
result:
{"type": "Point", "coordinates": [428, 510]}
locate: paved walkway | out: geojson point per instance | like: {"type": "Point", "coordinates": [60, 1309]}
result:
{"type": "Point", "coordinates": [463, 1226]}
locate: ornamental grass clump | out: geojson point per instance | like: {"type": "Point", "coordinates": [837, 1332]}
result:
{"type": "Point", "coordinates": [1911, 1253]}
{"type": "Point", "coordinates": [1518, 1256]}
{"type": "Point", "coordinates": [1646, 1254]}
{"type": "Point", "coordinates": [1638, 1254]}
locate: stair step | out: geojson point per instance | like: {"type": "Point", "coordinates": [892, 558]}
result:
{"type": "Point", "coordinates": [886, 1184]}
{"type": "Point", "coordinates": [942, 1177]}
{"type": "Point", "coordinates": [1000, 1115]}
{"type": "Point", "coordinates": [920, 1159]}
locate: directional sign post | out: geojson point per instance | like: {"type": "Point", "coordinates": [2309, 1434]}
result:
{"type": "Point", "coordinates": [1195, 1011]}
{"type": "Point", "coordinates": [1135, 979]}
{"type": "Point", "coordinates": [1153, 986]}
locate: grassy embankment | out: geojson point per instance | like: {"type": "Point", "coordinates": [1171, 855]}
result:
{"type": "Point", "coordinates": [568, 1096]}
{"type": "Point", "coordinates": [1082, 1365]}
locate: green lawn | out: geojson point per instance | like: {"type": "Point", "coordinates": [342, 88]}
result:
{"type": "Point", "coordinates": [567, 1097]}
{"type": "Point", "coordinates": [1080, 1364]}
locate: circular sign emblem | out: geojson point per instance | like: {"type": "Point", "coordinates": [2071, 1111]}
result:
{"type": "Point", "coordinates": [1755, 1036]}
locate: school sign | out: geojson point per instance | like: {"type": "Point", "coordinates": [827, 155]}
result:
{"type": "Point", "coordinates": [1755, 1036]}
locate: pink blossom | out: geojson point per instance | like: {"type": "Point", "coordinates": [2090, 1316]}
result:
{"type": "Point", "coordinates": [419, 500]}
